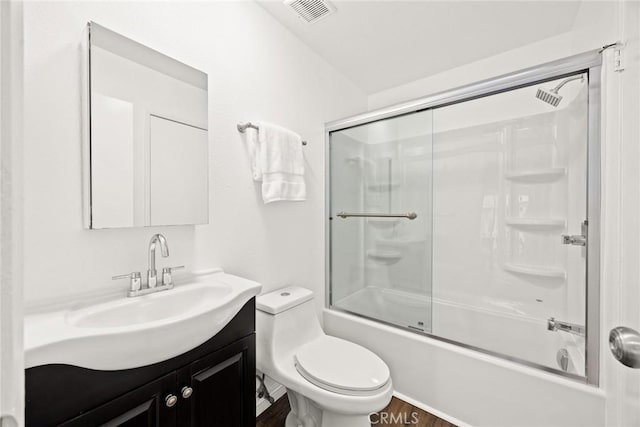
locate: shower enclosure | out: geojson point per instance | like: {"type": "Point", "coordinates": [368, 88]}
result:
{"type": "Point", "coordinates": [471, 216]}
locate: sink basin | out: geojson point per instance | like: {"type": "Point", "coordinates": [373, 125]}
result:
{"type": "Point", "coordinates": [149, 308]}
{"type": "Point", "coordinates": [124, 333]}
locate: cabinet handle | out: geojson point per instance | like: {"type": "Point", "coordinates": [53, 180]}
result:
{"type": "Point", "coordinates": [186, 392]}
{"type": "Point", "coordinates": [170, 400]}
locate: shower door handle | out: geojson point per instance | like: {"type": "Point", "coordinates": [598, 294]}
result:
{"type": "Point", "coordinates": [408, 215]}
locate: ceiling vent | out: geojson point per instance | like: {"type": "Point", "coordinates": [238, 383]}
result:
{"type": "Point", "coordinates": [310, 11]}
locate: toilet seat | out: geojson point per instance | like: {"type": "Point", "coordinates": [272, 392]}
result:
{"type": "Point", "coordinates": [341, 367]}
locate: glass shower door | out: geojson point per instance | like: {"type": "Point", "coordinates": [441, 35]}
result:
{"type": "Point", "coordinates": [472, 220]}
{"type": "Point", "coordinates": [380, 212]}
{"type": "Point", "coordinates": [510, 180]}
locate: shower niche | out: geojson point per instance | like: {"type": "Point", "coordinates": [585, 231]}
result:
{"type": "Point", "coordinates": [494, 182]}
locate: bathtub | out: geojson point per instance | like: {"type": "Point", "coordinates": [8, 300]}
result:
{"type": "Point", "coordinates": [462, 385]}
{"type": "Point", "coordinates": [496, 327]}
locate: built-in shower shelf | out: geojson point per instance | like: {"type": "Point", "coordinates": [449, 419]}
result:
{"type": "Point", "coordinates": [536, 175]}
{"type": "Point", "coordinates": [381, 187]}
{"type": "Point", "coordinates": [537, 271]}
{"type": "Point", "coordinates": [535, 222]}
{"type": "Point", "coordinates": [356, 160]}
{"type": "Point", "coordinates": [383, 224]}
{"type": "Point", "coordinates": [400, 242]}
{"type": "Point", "coordinates": [386, 257]}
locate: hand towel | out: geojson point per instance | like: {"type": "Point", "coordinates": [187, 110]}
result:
{"type": "Point", "coordinates": [281, 164]}
{"type": "Point", "coordinates": [254, 154]}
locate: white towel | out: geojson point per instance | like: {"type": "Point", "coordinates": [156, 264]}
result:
{"type": "Point", "coordinates": [254, 153]}
{"type": "Point", "coordinates": [277, 161]}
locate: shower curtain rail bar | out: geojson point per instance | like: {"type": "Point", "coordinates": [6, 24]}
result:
{"type": "Point", "coordinates": [408, 215]}
{"type": "Point", "coordinates": [538, 73]}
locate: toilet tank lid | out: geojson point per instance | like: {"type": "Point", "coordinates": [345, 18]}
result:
{"type": "Point", "coordinates": [282, 299]}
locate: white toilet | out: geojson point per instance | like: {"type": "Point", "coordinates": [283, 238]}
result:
{"type": "Point", "coordinates": [330, 382]}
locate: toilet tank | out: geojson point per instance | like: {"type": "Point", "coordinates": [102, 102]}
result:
{"type": "Point", "coordinates": [285, 319]}
{"type": "Point", "coordinates": [283, 299]}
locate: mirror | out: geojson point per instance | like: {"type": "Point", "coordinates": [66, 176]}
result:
{"type": "Point", "coordinates": [148, 141]}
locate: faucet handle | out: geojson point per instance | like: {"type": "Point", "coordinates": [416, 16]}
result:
{"type": "Point", "coordinates": [167, 280]}
{"type": "Point", "coordinates": [135, 281]}
{"type": "Point", "coordinates": [177, 267]}
{"type": "Point", "coordinates": [126, 276]}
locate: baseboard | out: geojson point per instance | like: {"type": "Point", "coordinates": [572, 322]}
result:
{"type": "Point", "coordinates": [431, 410]}
{"type": "Point", "coordinates": [276, 390]}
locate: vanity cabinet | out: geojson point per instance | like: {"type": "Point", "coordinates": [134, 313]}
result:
{"type": "Point", "coordinates": [211, 385]}
{"type": "Point", "coordinates": [218, 388]}
{"type": "Point", "coordinates": [141, 407]}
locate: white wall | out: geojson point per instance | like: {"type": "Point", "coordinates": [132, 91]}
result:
{"type": "Point", "coordinates": [257, 71]}
{"type": "Point", "coordinates": [595, 25]}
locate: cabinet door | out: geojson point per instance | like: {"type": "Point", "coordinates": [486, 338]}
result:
{"type": "Point", "coordinates": [223, 388]}
{"type": "Point", "coordinates": [142, 407]}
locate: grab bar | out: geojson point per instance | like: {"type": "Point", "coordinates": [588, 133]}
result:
{"type": "Point", "coordinates": [409, 215]}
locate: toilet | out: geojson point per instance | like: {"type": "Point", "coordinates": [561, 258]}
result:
{"type": "Point", "coordinates": [330, 382]}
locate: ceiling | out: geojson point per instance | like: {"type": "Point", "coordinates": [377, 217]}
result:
{"type": "Point", "coordinates": [382, 44]}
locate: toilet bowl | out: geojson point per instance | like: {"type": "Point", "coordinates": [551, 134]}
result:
{"type": "Point", "coordinates": [330, 382]}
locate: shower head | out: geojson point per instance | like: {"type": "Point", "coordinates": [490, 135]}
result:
{"type": "Point", "coordinates": [551, 96]}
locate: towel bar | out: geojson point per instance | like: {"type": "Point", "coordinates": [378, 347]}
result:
{"type": "Point", "coordinates": [242, 127]}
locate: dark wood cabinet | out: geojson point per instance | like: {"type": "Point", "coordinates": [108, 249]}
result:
{"type": "Point", "coordinates": [212, 385]}
{"type": "Point", "coordinates": [143, 407]}
{"type": "Point", "coordinates": [223, 388]}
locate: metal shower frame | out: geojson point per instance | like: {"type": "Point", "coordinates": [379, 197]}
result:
{"type": "Point", "coordinates": [589, 63]}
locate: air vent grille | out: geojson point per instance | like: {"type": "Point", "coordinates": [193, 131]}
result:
{"type": "Point", "coordinates": [311, 10]}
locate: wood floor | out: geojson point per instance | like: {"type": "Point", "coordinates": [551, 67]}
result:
{"type": "Point", "coordinates": [397, 414]}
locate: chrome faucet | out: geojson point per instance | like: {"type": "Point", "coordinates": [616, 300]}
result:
{"type": "Point", "coordinates": [136, 287]}
{"type": "Point", "coordinates": [152, 274]}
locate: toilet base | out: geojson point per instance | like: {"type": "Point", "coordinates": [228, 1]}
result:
{"type": "Point", "coordinates": [305, 413]}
